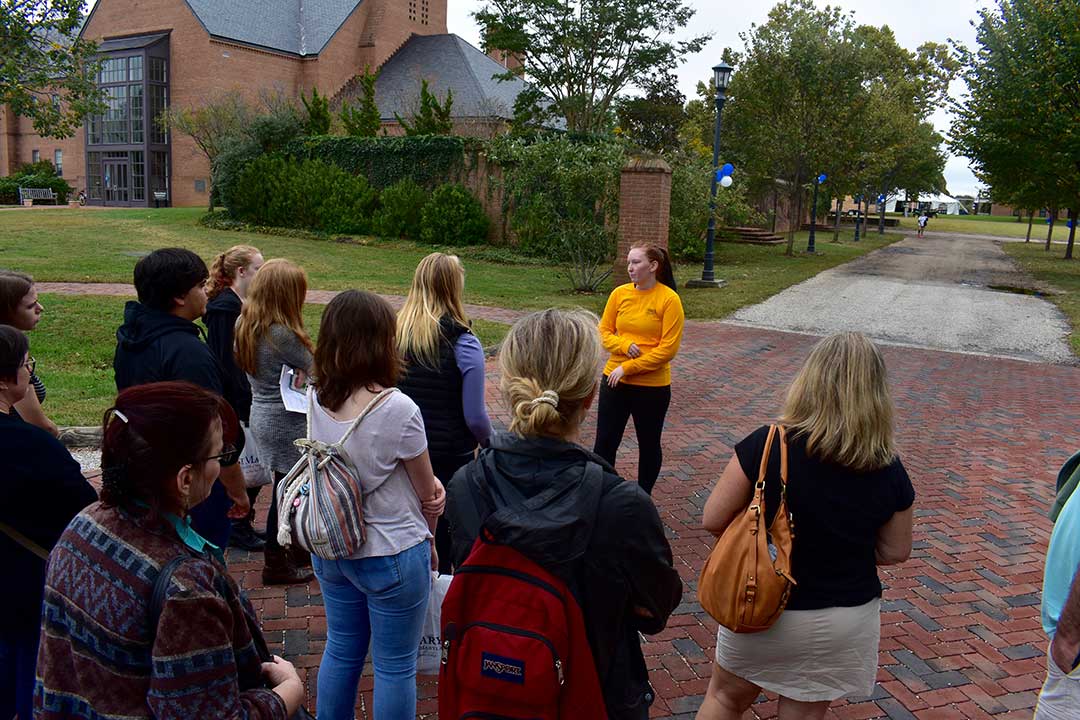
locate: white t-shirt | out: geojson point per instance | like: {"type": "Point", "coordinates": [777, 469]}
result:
{"type": "Point", "coordinates": [923, 219]}
{"type": "Point", "coordinates": [391, 433]}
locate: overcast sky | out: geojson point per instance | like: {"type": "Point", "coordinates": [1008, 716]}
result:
{"type": "Point", "coordinates": [914, 22]}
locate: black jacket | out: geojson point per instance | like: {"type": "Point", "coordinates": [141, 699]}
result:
{"type": "Point", "coordinates": [602, 535]}
{"type": "Point", "coordinates": [42, 489]}
{"type": "Point", "coordinates": [437, 392]}
{"type": "Point", "coordinates": [221, 315]}
{"type": "Point", "coordinates": [153, 346]}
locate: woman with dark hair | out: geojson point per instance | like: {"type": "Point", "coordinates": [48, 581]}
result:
{"type": "Point", "coordinates": [381, 593]}
{"type": "Point", "coordinates": [270, 335]}
{"type": "Point", "coordinates": [19, 308]}
{"type": "Point", "coordinates": [102, 653]}
{"type": "Point", "coordinates": [642, 329]}
{"type": "Point", "coordinates": [42, 489]}
{"type": "Point", "coordinates": [231, 273]}
{"type": "Point", "coordinates": [444, 372]}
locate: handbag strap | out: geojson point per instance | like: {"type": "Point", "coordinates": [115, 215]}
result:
{"type": "Point", "coordinates": [157, 595]}
{"type": "Point", "coordinates": [775, 431]}
{"type": "Point", "coordinates": [372, 404]}
{"type": "Point", "coordinates": [24, 541]}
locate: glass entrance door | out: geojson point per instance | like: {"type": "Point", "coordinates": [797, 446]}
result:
{"type": "Point", "coordinates": [117, 181]}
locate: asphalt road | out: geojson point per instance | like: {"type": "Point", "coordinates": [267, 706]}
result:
{"type": "Point", "coordinates": [945, 292]}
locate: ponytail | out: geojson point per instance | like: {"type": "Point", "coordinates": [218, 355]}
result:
{"type": "Point", "coordinates": [665, 273]}
{"type": "Point", "coordinates": [224, 266]}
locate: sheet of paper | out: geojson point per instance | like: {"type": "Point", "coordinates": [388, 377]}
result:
{"type": "Point", "coordinates": [293, 385]}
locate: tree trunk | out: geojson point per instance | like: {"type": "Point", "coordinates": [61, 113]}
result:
{"type": "Point", "coordinates": [1050, 230]}
{"type": "Point", "coordinates": [1031, 219]}
{"type": "Point", "coordinates": [795, 222]}
{"type": "Point", "coordinates": [836, 225]}
{"type": "Point", "coordinates": [1072, 234]}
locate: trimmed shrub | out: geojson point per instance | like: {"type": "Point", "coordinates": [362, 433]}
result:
{"type": "Point", "coordinates": [9, 186]}
{"type": "Point", "coordinates": [453, 217]}
{"type": "Point", "coordinates": [401, 207]}
{"type": "Point", "coordinates": [274, 190]}
{"type": "Point", "coordinates": [428, 160]}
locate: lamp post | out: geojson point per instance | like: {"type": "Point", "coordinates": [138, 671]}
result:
{"type": "Point", "coordinates": [858, 216]}
{"type": "Point", "coordinates": [813, 212]}
{"type": "Point", "coordinates": [722, 79]}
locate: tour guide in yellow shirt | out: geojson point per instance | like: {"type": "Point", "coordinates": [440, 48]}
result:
{"type": "Point", "coordinates": [642, 329]}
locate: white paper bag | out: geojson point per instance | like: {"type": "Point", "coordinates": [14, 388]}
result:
{"type": "Point", "coordinates": [255, 473]}
{"type": "Point", "coordinates": [429, 656]}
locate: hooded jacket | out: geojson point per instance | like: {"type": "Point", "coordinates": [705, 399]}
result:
{"type": "Point", "coordinates": [600, 534]}
{"type": "Point", "coordinates": [221, 315]}
{"type": "Point", "coordinates": [154, 346]}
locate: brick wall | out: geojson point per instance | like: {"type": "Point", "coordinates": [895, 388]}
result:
{"type": "Point", "coordinates": [644, 208]}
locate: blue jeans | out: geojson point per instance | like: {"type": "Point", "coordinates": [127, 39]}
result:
{"type": "Point", "coordinates": [384, 600]}
{"type": "Point", "coordinates": [18, 657]}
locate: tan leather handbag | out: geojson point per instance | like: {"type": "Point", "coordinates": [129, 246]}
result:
{"type": "Point", "coordinates": [742, 586]}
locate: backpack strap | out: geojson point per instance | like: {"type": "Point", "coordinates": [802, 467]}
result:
{"type": "Point", "coordinates": [157, 595]}
{"type": "Point", "coordinates": [375, 402]}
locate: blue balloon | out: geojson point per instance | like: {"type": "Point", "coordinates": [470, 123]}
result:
{"type": "Point", "coordinates": [726, 169]}
{"type": "Point", "coordinates": [821, 178]}
{"type": "Point", "coordinates": [881, 198]}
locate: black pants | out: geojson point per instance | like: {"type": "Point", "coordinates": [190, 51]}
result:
{"type": "Point", "coordinates": [648, 406]}
{"type": "Point", "coordinates": [444, 467]}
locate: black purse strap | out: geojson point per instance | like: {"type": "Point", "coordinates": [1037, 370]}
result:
{"type": "Point", "coordinates": [157, 595]}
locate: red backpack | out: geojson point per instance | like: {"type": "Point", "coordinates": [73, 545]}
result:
{"type": "Point", "coordinates": [513, 643]}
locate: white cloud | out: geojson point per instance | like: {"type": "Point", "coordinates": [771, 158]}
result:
{"type": "Point", "coordinates": [914, 22]}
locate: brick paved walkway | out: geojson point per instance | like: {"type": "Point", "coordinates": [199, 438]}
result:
{"type": "Point", "coordinates": [982, 439]}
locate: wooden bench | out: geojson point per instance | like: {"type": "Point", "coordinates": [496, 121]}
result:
{"type": "Point", "coordinates": [31, 194]}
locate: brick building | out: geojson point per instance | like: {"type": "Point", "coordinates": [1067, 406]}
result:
{"type": "Point", "coordinates": [160, 53]}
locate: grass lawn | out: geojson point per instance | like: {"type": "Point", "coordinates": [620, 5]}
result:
{"type": "Point", "coordinates": [985, 225]}
{"type": "Point", "coordinates": [74, 345]}
{"type": "Point", "coordinates": [75, 339]}
{"type": "Point", "coordinates": [1061, 275]}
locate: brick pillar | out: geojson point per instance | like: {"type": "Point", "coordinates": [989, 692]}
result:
{"type": "Point", "coordinates": [644, 208]}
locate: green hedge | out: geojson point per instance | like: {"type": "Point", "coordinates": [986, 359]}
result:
{"type": "Point", "coordinates": [9, 187]}
{"type": "Point", "coordinates": [428, 160]}
{"type": "Point", "coordinates": [400, 209]}
{"type": "Point", "coordinates": [453, 217]}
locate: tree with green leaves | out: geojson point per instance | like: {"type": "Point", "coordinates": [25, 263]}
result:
{"type": "Point", "coordinates": [363, 120]}
{"type": "Point", "coordinates": [1018, 121]}
{"type": "Point", "coordinates": [432, 117]}
{"type": "Point", "coordinates": [318, 117]}
{"type": "Point", "coordinates": [581, 54]}
{"type": "Point", "coordinates": [652, 121]}
{"type": "Point", "coordinates": [47, 73]}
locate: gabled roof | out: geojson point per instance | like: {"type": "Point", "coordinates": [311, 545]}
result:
{"type": "Point", "coordinates": [298, 27]}
{"type": "Point", "coordinates": [446, 62]}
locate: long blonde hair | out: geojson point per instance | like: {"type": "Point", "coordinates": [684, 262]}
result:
{"type": "Point", "coordinates": [840, 401]}
{"type": "Point", "coordinates": [276, 297]}
{"type": "Point", "coordinates": [437, 287]}
{"type": "Point", "coordinates": [550, 364]}
{"type": "Point", "coordinates": [224, 266]}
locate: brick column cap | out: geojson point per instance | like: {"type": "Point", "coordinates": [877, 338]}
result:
{"type": "Point", "coordinates": [647, 164]}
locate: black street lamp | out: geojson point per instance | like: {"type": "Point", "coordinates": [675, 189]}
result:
{"type": "Point", "coordinates": [813, 212]}
{"type": "Point", "coordinates": [858, 215]}
{"type": "Point", "coordinates": [722, 79]}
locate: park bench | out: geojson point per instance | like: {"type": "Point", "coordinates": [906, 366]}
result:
{"type": "Point", "coordinates": [31, 194]}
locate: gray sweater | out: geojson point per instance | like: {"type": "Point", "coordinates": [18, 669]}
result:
{"type": "Point", "coordinates": [276, 428]}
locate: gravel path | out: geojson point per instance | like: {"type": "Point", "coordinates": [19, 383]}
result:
{"type": "Point", "coordinates": [934, 292]}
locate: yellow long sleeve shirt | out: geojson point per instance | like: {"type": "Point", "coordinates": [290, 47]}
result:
{"type": "Point", "coordinates": [653, 320]}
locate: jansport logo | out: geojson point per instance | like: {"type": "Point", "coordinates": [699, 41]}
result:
{"type": "Point", "coordinates": [502, 668]}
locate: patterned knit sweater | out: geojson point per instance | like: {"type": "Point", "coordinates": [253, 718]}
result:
{"type": "Point", "coordinates": [96, 660]}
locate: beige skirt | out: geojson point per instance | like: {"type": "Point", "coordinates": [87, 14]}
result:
{"type": "Point", "coordinates": [809, 655]}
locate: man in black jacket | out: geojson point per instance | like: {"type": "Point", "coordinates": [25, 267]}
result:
{"type": "Point", "coordinates": [159, 341]}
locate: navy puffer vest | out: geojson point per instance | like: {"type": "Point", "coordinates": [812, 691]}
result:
{"type": "Point", "coordinates": [437, 391]}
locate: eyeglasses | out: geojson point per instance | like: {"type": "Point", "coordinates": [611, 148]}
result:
{"type": "Point", "coordinates": [30, 364]}
{"type": "Point", "coordinates": [229, 455]}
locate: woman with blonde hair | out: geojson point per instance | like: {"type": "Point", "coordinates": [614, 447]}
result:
{"type": "Point", "coordinates": [270, 335]}
{"type": "Point", "coordinates": [231, 273]}
{"type": "Point", "coordinates": [641, 329]}
{"type": "Point", "coordinates": [444, 372]}
{"type": "Point", "coordinates": [851, 503]}
{"type": "Point", "coordinates": [599, 534]}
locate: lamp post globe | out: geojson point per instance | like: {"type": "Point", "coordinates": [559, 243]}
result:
{"type": "Point", "coordinates": [721, 80]}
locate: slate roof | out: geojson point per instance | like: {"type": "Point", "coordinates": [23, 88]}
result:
{"type": "Point", "coordinates": [445, 61]}
{"type": "Point", "coordinates": [299, 27]}
{"type": "Point", "coordinates": [130, 43]}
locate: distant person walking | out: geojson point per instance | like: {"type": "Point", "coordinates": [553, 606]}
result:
{"type": "Point", "coordinates": [852, 503]}
{"type": "Point", "coordinates": [642, 329]}
{"type": "Point", "coordinates": [231, 274]}
{"type": "Point", "coordinates": [444, 373]}
{"type": "Point", "coordinates": [270, 337]}
{"type": "Point", "coordinates": [922, 220]}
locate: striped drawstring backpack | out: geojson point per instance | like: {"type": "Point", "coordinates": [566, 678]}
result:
{"type": "Point", "coordinates": [320, 501]}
